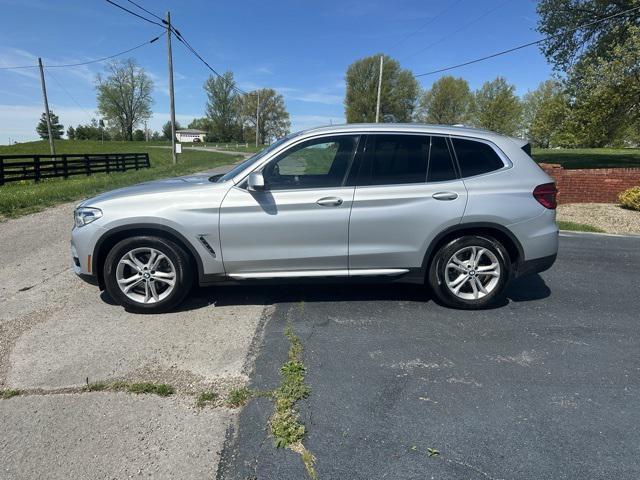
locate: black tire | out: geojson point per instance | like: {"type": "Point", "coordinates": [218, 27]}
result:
{"type": "Point", "coordinates": [179, 258]}
{"type": "Point", "coordinates": [437, 275]}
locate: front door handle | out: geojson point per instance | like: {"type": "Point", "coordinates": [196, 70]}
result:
{"type": "Point", "coordinates": [329, 202]}
{"type": "Point", "coordinates": [445, 195]}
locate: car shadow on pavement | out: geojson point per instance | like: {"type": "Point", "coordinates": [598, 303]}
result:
{"type": "Point", "coordinates": [529, 288]}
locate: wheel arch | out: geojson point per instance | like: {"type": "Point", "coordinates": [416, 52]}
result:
{"type": "Point", "coordinates": [109, 239]}
{"type": "Point", "coordinates": [499, 232]}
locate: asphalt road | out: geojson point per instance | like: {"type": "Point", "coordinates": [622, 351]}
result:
{"type": "Point", "coordinates": [546, 386]}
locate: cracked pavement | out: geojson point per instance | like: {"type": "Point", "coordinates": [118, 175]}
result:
{"type": "Point", "coordinates": [56, 332]}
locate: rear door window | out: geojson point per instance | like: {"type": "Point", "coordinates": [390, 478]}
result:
{"type": "Point", "coordinates": [396, 159]}
{"type": "Point", "coordinates": [441, 166]}
{"type": "Point", "coordinates": [476, 158]}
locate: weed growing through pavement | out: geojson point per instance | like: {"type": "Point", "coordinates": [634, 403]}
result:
{"type": "Point", "coordinates": [238, 397]}
{"type": "Point", "coordinates": [160, 389]}
{"type": "Point", "coordinates": [285, 424]}
{"type": "Point", "coordinates": [206, 398]}
{"type": "Point", "coordinates": [10, 393]}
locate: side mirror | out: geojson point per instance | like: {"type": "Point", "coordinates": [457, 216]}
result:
{"type": "Point", "coordinates": [255, 182]}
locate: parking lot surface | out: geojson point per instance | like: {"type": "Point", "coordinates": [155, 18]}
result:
{"type": "Point", "coordinates": [545, 386]}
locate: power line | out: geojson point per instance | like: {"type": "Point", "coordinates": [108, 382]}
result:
{"type": "Point", "coordinates": [464, 27]}
{"type": "Point", "coordinates": [192, 50]}
{"type": "Point", "coordinates": [179, 36]}
{"type": "Point", "coordinates": [69, 95]}
{"type": "Point", "coordinates": [134, 13]}
{"type": "Point", "coordinates": [97, 60]}
{"type": "Point", "coordinates": [429, 22]}
{"type": "Point", "coordinates": [519, 47]}
{"type": "Point", "coordinates": [146, 11]}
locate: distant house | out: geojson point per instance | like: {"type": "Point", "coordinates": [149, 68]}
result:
{"type": "Point", "coordinates": [190, 135]}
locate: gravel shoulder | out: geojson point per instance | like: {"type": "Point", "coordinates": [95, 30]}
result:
{"type": "Point", "coordinates": [57, 331]}
{"type": "Point", "coordinates": [607, 216]}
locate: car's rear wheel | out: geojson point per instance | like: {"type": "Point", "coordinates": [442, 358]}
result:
{"type": "Point", "coordinates": [148, 274]}
{"type": "Point", "coordinates": [470, 272]}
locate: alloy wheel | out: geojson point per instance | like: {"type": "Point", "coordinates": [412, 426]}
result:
{"type": "Point", "coordinates": [146, 275]}
{"type": "Point", "coordinates": [472, 273]}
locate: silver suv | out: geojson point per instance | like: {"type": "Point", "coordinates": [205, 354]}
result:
{"type": "Point", "coordinates": [463, 210]}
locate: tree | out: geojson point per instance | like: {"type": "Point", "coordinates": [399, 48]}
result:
{"type": "Point", "coordinates": [56, 128]}
{"type": "Point", "coordinates": [138, 135]}
{"type": "Point", "coordinates": [568, 44]}
{"type": "Point", "coordinates": [222, 106]}
{"type": "Point", "coordinates": [601, 62]}
{"type": "Point", "coordinates": [71, 133]}
{"type": "Point", "coordinates": [166, 129]}
{"type": "Point", "coordinates": [274, 118]}
{"type": "Point", "coordinates": [545, 112]}
{"type": "Point", "coordinates": [497, 108]}
{"type": "Point", "coordinates": [398, 94]}
{"type": "Point", "coordinates": [90, 131]}
{"type": "Point", "coordinates": [124, 96]}
{"type": "Point", "coordinates": [448, 102]}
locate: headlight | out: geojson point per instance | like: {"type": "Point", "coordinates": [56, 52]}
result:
{"type": "Point", "coordinates": [85, 215]}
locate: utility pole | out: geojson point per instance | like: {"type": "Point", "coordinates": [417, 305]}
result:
{"type": "Point", "coordinates": [257, 116]}
{"type": "Point", "coordinates": [172, 104]}
{"type": "Point", "coordinates": [46, 107]}
{"type": "Point", "coordinates": [379, 90]}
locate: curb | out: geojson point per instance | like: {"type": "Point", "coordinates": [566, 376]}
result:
{"type": "Point", "coordinates": [570, 233]}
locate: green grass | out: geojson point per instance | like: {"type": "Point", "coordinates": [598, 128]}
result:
{"type": "Point", "coordinates": [160, 389]}
{"type": "Point", "coordinates": [590, 157]}
{"type": "Point", "coordinates": [238, 397]}
{"type": "Point", "coordinates": [97, 387]}
{"type": "Point", "coordinates": [249, 148]}
{"type": "Point", "coordinates": [20, 198]}
{"type": "Point", "coordinates": [206, 398]}
{"type": "Point", "coordinates": [10, 393]}
{"type": "Point", "coordinates": [578, 227]}
{"type": "Point", "coordinates": [285, 424]}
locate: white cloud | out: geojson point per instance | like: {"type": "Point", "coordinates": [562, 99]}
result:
{"type": "Point", "coordinates": [18, 122]}
{"type": "Point", "coordinates": [316, 97]}
{"type": "Point", "coordinates": [12, 57]}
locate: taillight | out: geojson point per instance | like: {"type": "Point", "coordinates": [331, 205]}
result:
{"type": "Point", "coordinates": [546, 195]}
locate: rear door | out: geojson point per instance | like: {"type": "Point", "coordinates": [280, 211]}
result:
{"type": "Point", "coordinates": [407, 191]}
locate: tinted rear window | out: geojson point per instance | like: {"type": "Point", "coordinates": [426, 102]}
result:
{"type": "Point", "coordinates": [440, 162]}
{"type": "Point", "coordinates": [398, 159]}
{"type": "Point", "coordinates": [476, 158]}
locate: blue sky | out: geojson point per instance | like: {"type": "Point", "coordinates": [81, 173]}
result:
{"type": "Point", "coordinates": [302, 49]}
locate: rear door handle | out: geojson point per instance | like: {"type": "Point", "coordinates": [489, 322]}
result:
{"type": "Point", "coordinates": [445, 195]}
{"type": "Point", "coordinates": [329, 202]}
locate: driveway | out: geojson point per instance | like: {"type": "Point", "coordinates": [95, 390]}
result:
{"type": "Point", "coordinates": [546, 386]}
{"type": "Point", "coordinates": [57, 333]}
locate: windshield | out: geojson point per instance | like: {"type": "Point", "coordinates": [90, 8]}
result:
{"type": "Point", "coordinates": [252, 159]}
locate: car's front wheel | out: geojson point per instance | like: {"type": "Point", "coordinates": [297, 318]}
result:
{"type": "Point", "coordinates": [148, 274]}
{"type": "Point", "coordinates": [470, 272]}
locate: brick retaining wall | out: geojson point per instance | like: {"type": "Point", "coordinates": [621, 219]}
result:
{"type": "Point", "coordinates": [597, 185]}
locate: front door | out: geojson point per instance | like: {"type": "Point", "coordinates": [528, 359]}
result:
{"type": "Point", "coordinates": [298, 225]}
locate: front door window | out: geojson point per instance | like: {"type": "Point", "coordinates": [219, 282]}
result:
{"type": "Point", "coordinates": [316, 163]}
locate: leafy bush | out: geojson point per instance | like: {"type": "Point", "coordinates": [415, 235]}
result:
{"type": "Point", "coordinates": [630, 198]}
